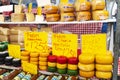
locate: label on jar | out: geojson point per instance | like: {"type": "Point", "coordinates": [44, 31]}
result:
{"type": "Point", "coordinates": [27, 77]}
{"type": "Point", "coordinates": [54, 78]}
{"type": "Point", "coordinates": [21, 75]}
{"type": "Point", "coordinates": [41, 77]}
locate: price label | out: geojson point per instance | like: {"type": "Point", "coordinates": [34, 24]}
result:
{"type": "Point", "coordinates": [94, 44]}
{"type": "Point", "coordinates": [64, 45]}
{"type": "Point", "coordinates": [28, 67]}
{"type": "Point", "coordinates": [36, 41]}
{"type": "Point", "coordinates": [64, 1]}
{"type": "Point", "coordinates": [14, 50]}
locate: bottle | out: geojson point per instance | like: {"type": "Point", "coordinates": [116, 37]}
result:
{"type": "Point", "coordinates": [19, 76]}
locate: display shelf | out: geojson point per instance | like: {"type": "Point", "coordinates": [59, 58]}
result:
{"type": "Point", "coordinates": [9, 67]}
{"type": "Point", "coordinates": [74, 22]}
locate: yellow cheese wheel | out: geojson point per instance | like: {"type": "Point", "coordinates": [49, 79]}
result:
{"type": "Point", "coordinates": [104, 59]}
{"type": "Point", "coordinates": [51, 64]}
{"type": "Point", "coordinates": [72, 67]}
{"type": "Point", "coordinates": [43, 68]}
{"type": "Point", "coordinates": [86, 74]}
{"type": "Point", "coordinates": [42, 63]}
{"type": "Point", "coordinates": [25, 53]}
{"type": "Point", "coordinates": [67, 17]}
{"type": "Point", "coordinates": [44, 54]}
{"type": "Point", "coordinates": [34, 55]}
{"type": "Point", "coordinates": [105, 68]}
{"type": "Point", "coordinates": [98, 4]}
{"type": "Point", "coordinates": [61, 66]}
{"type": "Point", "coordinates": [25, 58]}
{"type": "Point", "coordinates": [36, 63]}
{"type": "Point", "coordinates": [44, 59]}
{"type": "Point", "coordinates": [86, 58]}
{"type": "Point", "coordinates": [86, 67]}
{"type": "Point", "coordinates": [34, 59]}
{"type": "Point", "coordinates": [30, 17]}
{"type": "Point", "coordinates": [24, 61]}
{"type": "Point", "coordinates": [105, 75]}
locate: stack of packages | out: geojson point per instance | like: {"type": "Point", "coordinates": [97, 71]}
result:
{"type": "Point", "coordinates": [83, 10]}
{"type": "Point", "coordinates": [43, 61]}
{"type": "Point", "coordinates": [86, 65]}
{"type": "Point", "coordinates": [72, 66]}
{"type": "Point", "coordinates": [62, 65]}
{"type": "Point", "coordinates": [25, 56]}
{"type": "Point", "coordinates": [67, 12]}
{"type": "Point", "coordinates": [34, 58]}
{"type": "Point", "coordinates": [52, 61]}
{"type": "Point", "coordinates": [51, 13]}
{"type": "Point", "coordinates": [98, 7]}
{"type": "Point", "coordinates": [104, 65]}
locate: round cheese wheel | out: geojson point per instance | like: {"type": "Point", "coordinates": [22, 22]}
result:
{"type": "Point", "coordinates": [72, 72]}
{"type": "Point", "coordinates": [25, 58]}
{"type": "Point", "coordinates": [86, 67]}
{"type": "Point", "coordinates": [36, 63]}
{"type": "Point", "coordinates": [52, 17]}
{"type": "Point", "coordinates": [34, 55]}
{"type": "Point", "coordinates": [62, 71]}
{"type": "Point", "coordinates": [104, 75]}
{"type": "Point", "coordinates": [30, 17]}
{"type": "Point", "coordinates": [50, 9]}
{"type": "Point", "coordinates": [25, 53]}
{"type": "Point", "coordinates": [104, 68]}
{"type": "Point", "coordinates": [86, 58]}
{"type": "Point", "coordinates": [24, 61]}
{"type": "Point", "coordinates": [34, 59]}
{"type": "Point", "coordinates": [73, 60]}
{"type": "Point", "coordinates": [104, 59]}
{"type": "Point", "coordinates": [51, 64]}
{"type": "Point", "coordinates": [44, 54]}
{"type": "Point", "coordinates": [52, 58]}
{"type": "Point", "coordinates": [42, 63]}
{"type": "Point", "coordinates": [44, 68]}
{"type": "Point", "coordinates": [61, 66]}
{"type": "Point", "coordinates": [43, 59]}
{"type": "Point", "coordinates": [67, 17]}
{"type": "Point", "coordinates": [61, 60]}
{"type": "Point", "coordinates": [72, 67]}
{"type": "Point", "coordinates": [52, 69]}
{"type": "Point", "coordinates": [98, 4]}
{"type": "Point", "coordinates": [87, 74]}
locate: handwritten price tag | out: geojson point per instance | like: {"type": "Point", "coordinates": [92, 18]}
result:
{"type": "Point", "coordinates": [94, 44]}
{"type": "Point", "coordinates": [36, 41]}
{"type": "Point", "coordinates": [28, 67]}
{"type": "Point", "coordinates": [14, 50]}
{"type": "Point", "coordinates": [64, 45]}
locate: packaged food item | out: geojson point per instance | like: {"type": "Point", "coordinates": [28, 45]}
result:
{"type": "Point", "coordinates": [19, 76]}
{"type": "Point", "coordinates": [83, 16]}
{"type": "Point", "coordinates": [103, 75]}
{"type": "Point", "coordinates": [52, 58]}
{"type": "Point", "coordinates": [3, 75]}
{"type": "Point", "coordinates": [17, 17]}
{"type": "Point", "coordinates": [73, 60]}
{"type": "Point", "coordinates": [72, 67]}
{"type": "Point", "coordinates": [62, 71]}
{"type": "Point", "coordinates": [34, 55]}
{"type": "Point", "coordinates": [44, 68]}
{"type": "Point", "coordinates": [100, 67]}
{"type": "Point", "coordinates": [27, 77]}
{"type": "Point", "coordinates": [16, 62]}
{"type": "Point", "coordinates": [52, 69]}
{"type": "Point", "coordinates": [52, 17]}
{"type": "Point", "coordinates": [98, 4]}
{"type": "Point", "coordinates": [8, 61]}
{"type": "Point", "coordinates": [18, 8]}
{"type": "Point", "coordinates": [86, 67]}
{"type": "Point", "coordinates": [41, 77]}
{"type": "Point", "coordinates": [30, 17]}
{"type": "Point", "coordinates": [43, 59]}
{"type": "Point", "coordinates": [50, 9]}
{"type": "Point", "coordinates": [67, 17]}
{"type": "Point", "coordinates": [25, 53]}
{"type": "Point", "coordinates": [86, 74]}
{"type": "Point", "coordinates": [52, 64]}
{"type": "Point", "coordinates": [72, 72]}
{"type": "Point", "coordinates": [44, 54]}
{"type": "Point", "coordinates": [41, 63]}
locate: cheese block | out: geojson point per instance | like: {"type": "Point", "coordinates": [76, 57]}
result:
{"type": "Point", "coordinates": [72, 67]}
{"type": "Point", "coordinates": [98, 4]}
{"type": "Point", "coordinates": [34, 55]}
{"type": "Point", "coordinates": [25, 58]}
{"type": "Point", "coordinates": [17, 17]}
{"type": "Point", "coordinates": [104, 68]}
{"type": "Point", "coordinates": [50, 9]}
{"type": "Point", "coordinates": [18, 8]}
{"type": "Point", "coordinates": [52, 64]}
{"type": "Point", "coordinates": [61, 66]}
{"type": "Point", "coordinates": [34, 59]}
{"type": "Point", "coordinates": [2, 19]}
{"type": "Point", "coordinates": [83, 16]}
{"type": "Point", "coordinates": [44, 54]}
{"type": "Point", "coordinates": [87, 74]}
{"type": "Point", "coordinates": [3, 38]}
{"type": "Point", "coordinates": [104, 75]}
{"type": "Point", "coordinates": [30, 17]}
{"type": "Point", "coordinates": [86, 67]}
{"type": "Point", "coordinates": [43, 59]}
{"type": "Point", "coordinates": [16, 38]}
{"type": "Point", "coordinates": [25, 53]}
{"type": "Point", "coordinates": [42, 63]}
{"type": "Point", "coordinates": [43, 68]}
{"type": "Point", "coordinates": [52, 17]}
{"type": "Point", "coordinates": [67, 17]}
{"type": "Point", "coordinates": [86, 58]}
{"type": "Point", "coordinates": [100, 15]}
{"type": "Point", "coordinates": [4, 31]}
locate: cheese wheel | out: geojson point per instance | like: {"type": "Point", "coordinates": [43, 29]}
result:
{"type": "Point", "coordinates": [52, 64]}
{"type": "Point", "coordinates": [86, 67]}
{"type": "Point", "coordinates": [104, 68]}
{"type": "Point", "coordinates": [17, 17]}
{"type": "Point", "coordinates": [67, 17]}
{"type": "Point", "coordinates": [43, 59]}
{"type": "Point", "coordinates": [86, 58]}
{"type": "Point", "coordinates": [72, 67]}
{"type": "Point", "coordinates": [36, 63]}
{"type": "Point", "coordinates": [34, 59]}
{"type": "Point", "coordinates": [50, 9]}
{"type": "Point", "coordinates": [25, 53]}
{"type": "Point", "coordinates": [24, 61]}
{"type": "Point", "coordinates": [104, 59]}
{"type": "Point", "coordinates": [52, 17]}
{"type": "Point", "coordinates": [83, 16]}
{"type": "Point", "coordinates": [86, 74]}
{"type": "Point", "coordinates": [61, 66]}
{"type": "Point", "coordinates": [34, 55]}
{"type": "Point", "coordinates": [104, 75]}
{"type": "Point", "coordinates": [44, 68]}
{"type": "Point", "coordinates": [42, 63]}
{"type": "Point", "coordinates": [30, 17]}
{"type": "Point", "coordinates": [25, 58]}
{"type": "Point", "coordinates": [98, 4]}
{"type": "Point", "coordinates": [44, 54]}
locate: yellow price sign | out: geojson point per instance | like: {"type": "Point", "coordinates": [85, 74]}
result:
{"type": "Point", "coordinates": [64, 1]}
{"type": "Point", "coordinates": [94, 43]}
{"type": "Point", "coordinates": [65, 45]}
{"type": "Point", "coordinates": [28, 67]}
{"type": "Point", "coordinates": [36, 41]}
{"type": "Point", "coordinates": [39, 11]}
{"type": "Point", "coordinates": [14, 50]}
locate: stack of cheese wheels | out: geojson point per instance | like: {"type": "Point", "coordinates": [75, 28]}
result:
{"type": "Point", "coordinates": [104, 65]}
{"type": "Point", "coordinates": [83, 10]}
{"type": "Point", "coordinates": [34, 58]}
{"type": "Point", "coordinates": [25, 56]}
{"type": "Point", "coordinates": [67, 12]}
{"type": "Point", "coordinates": [61, 65]}
{"type": "Point", "coordinates": [72, 66]}
{"type": "Point", "coordinates": [86, 65]}
{"type": "Point", "coordinates": [52, 61]}
{"type": "Point", "coordinates": [98, 10]}
{"type": "Point", "coordinates": [51, 13]}
{"type": "Point", "coordinates": [43, 61]}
